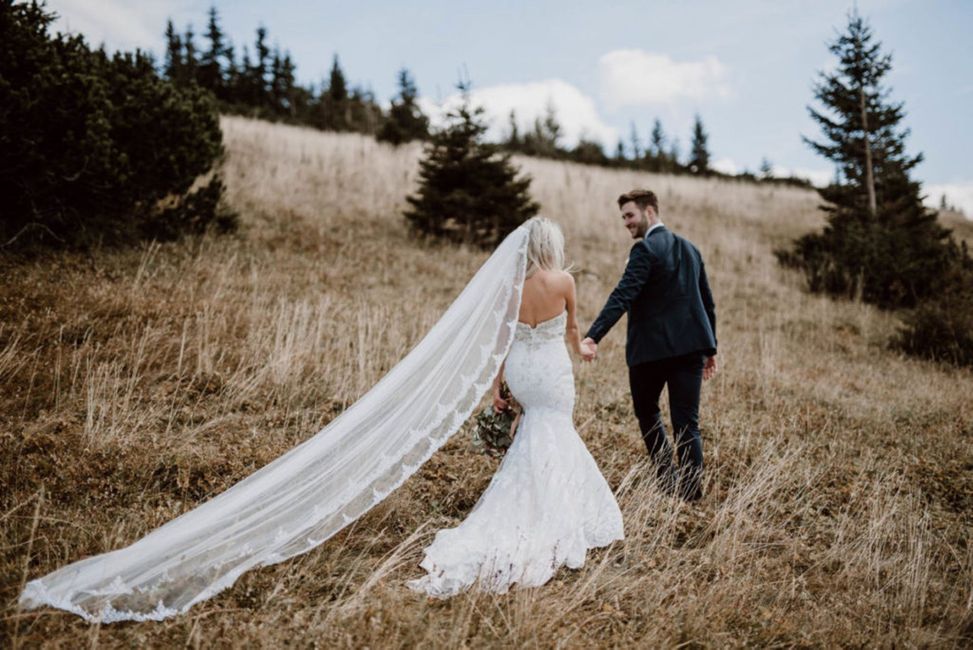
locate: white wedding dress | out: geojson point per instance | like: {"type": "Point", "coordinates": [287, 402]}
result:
{"type": "Point", "coordinates": [548, 503]}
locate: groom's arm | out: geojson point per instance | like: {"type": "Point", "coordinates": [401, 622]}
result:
{"type": "Point", "coordinates": [707, 296]}
{"type": "Point", "coordinates": [635, 276]}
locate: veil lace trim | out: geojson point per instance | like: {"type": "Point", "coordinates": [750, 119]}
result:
{"type": "Point", "coordinates": [301, 499]}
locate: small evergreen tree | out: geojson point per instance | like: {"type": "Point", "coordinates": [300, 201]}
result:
{"type": "Point", "coordinates": [513, 141]}
{"type": "Point", "coordinates": [331, 111]}
{"type": "Point", "coordinates": [658, 140]}
{"type": "Point", "coordinates": [210, 70]}
{"type": "Point", "coordinates": [656, 153]}
{"type": "Point", "coordinates": [698, 152]}
{"type": "Point", "coordinates": [190, 62]}
{"type": "Point", "coordinates": [172, 68]}
{"type": "Point", "coordinates": [406, 121]}
{"type": "Point", "coordinates": [634, 143]}
{"type": "Point", "coordinates": [619, 157]}
{"type": "Point", "coordinates": [260, 74]}
{"type": "Point", "coordinates": [468, 192]}
{"type": "Point", "coordinates": [363, 112]}
{"type": "Point", "coordinates": [766, 169]}
{"type": "Point", "coordinates": [543, 140]}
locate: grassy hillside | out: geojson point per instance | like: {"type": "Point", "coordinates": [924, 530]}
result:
{"type": "Point", "coordinates": [133, 385]}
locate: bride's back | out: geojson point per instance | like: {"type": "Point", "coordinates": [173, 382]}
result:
{"type": "Point", "coordinates": [545, 296]}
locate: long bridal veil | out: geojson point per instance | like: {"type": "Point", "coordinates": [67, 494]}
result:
{"type": "Point", "coordinates": [310, 493]}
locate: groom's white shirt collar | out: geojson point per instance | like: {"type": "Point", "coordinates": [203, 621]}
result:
{"type": "Point", "coordinates": [654, 226]}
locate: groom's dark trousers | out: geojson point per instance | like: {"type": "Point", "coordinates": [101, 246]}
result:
{"type": "Point", "coordinates": [671, 330]}
{"type": "Point", "coordinates": [684, 376]}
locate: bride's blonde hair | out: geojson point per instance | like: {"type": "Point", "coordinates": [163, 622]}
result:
{"type": "Point", "coordinates": [545, 245]}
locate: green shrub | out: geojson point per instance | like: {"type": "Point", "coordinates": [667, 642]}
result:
{"type": "Point", "coordinates": [941, 328]}
{"type": "Point", "coordinates": [91, 143]}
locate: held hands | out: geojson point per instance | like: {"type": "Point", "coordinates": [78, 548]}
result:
{"type": "Point", "coordinates": [709, 368]}
{"type": "Point", "coordinates": [589, 349]}
{"type": "Point", "coordinates": [499, 403]}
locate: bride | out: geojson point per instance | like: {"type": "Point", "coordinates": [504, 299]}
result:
{"type": "Point", "coordinates": [548, 503]}
{"type": "Point", "coordinates": [545, 507]}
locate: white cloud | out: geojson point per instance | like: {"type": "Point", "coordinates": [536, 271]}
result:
{"type": "Point", "coordinates": [120, 24]}
{"type": "Point", "coordinates": [639, 78]}
{"type": "Point", "coordinates": [957, 194]}
{"type": "Point", "coordinates": [575, 111]}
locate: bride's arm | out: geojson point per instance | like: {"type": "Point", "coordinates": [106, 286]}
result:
{"type": "Point", "coordinates": [572, 331]}
{"type": "Point", "coordinates": [499, 403]}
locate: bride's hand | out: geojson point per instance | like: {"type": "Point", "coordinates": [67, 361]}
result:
{"type": "Point", "coordinates": [499, 403]}
{"type": "Point", "coordinates": [589, 349]}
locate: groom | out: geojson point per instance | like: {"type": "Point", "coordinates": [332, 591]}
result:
{"type": "Point", "coordinates": [671, 338]}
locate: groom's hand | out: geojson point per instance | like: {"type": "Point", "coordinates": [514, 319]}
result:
{"type": "Point", "coordinates": [589, 349]}
{"type": "Point", "coordinates": [709, 368]}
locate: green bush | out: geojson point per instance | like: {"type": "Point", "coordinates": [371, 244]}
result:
{"type": "Point", "coordinates": [90, 143]}
{"type": "Point", "coordinates": [942, 328]}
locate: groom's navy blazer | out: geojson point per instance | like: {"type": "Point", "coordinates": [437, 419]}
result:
{"type": "Point", "coordinates": [667, 296]}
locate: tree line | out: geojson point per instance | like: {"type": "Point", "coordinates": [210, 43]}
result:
{"type": "Point", "coordinates": [261, 82]}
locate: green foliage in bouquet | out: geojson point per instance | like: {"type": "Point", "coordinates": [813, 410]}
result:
{"type": "Point", "coordinates": [492, 429]}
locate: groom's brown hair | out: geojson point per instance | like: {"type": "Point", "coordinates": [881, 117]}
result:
{"type": "Point", "coordinates": [642, 198]}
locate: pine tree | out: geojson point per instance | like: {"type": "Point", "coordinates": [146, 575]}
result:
{"type": "Point", "coordinates": [699, 154]}
{"type": "Point", "coordinates": [635, 143]}
{"type": "Point", "coordinates": [278, 84]}
{"type": "Point", "coordinates": [406, 121]}
{"type": "Point", "coordinates": [231, 74]}
{"type": "Point", "coordinates": [656, 155]}
{"type": "Point", "coordinates": [245, 93]}
{"type": "Point", "coordinates": [513, 141]}
{"type": "Point", "coordinates": [190, 64]}
{"type": "Point", "coordinates": [658, 140]}
{"type": "Point", "coordinates": [173, 61]}
{"type": "Point", "coordinates": [766, 169]}
{"type": "Point", "coordinates": [260, 74]}
{"type": "Point", "coordinates": [332, 110]}
{"type": "Point", "coordinates": [881, 244]}
{"type": "Point", "coordinates": [468, 192]}
{"type": "Point", "coordinates": [543, 140]}
{"type": "Point", "coordinates": [619, 157]}
{"type": "Point", "coordinates": [364, 115]}
{"type": "Point", "coordinates": [210, 72]}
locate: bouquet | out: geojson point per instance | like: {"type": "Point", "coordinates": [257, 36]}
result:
{"type": "Point", "coordinates": [493, 429]}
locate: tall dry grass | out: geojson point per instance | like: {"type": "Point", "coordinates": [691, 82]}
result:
{"type": "Point", "coordinates": [135, 384]}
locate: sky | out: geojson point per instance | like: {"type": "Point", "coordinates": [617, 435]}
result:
{"type": "Point", "coordinates": [747, 67]}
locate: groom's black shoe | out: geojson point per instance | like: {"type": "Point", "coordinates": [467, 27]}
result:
{"type": "Point", "coordinates": [690, 486]}
{"type": "Point", "coordinates": [666, 480]}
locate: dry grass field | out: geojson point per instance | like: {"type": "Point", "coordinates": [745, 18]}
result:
{"type": "Point", "coordinates": [135, 384]}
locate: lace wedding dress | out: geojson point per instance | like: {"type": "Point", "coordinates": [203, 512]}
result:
{"type": "Point", "coordinates": [548, 503]}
